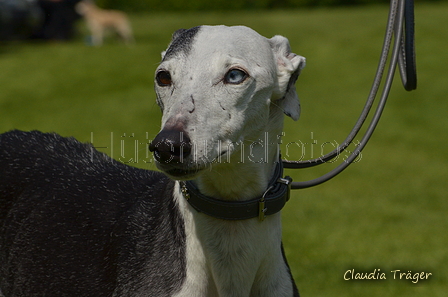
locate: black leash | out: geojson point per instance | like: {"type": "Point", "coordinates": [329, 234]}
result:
{"type": "Point", "coordinates": [401, 26]}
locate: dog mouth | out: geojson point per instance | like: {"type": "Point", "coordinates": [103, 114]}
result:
{"type": "Point", "coordinates": [182, 174]}
{"type": "Point", "coordinates": [182, 160]}
{"type": "Point", "coordinates": [192, 170]}
{"type": "Point", "coordinates": [179, 171]}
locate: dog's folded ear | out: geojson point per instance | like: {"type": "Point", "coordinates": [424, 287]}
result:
{"type": "Point", "coordinates": [289, 66]}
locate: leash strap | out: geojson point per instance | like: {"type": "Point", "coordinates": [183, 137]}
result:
{"type": "Point", "coordinates": [271, 202]}
{"type": "Point", "coordinates": [401, 15]}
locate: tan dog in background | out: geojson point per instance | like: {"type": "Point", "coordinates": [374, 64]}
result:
{"type": "Point", "coordinates": [99, 20]}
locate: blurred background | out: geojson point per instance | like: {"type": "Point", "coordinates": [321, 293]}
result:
{"type": "Point", "coordinates": [387, 211]}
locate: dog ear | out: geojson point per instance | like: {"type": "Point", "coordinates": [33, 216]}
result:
{"type": "Point", "coordinates": [289, 66]}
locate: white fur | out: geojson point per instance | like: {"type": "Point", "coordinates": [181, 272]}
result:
{"type": "Point", "coordinates": [235, 130]}
{"type": "Point", "coordinates": [233, 258]}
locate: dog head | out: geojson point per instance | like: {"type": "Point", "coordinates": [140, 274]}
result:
{"type": "Point", "coordinates": [82, 7]}
{"type": "Point", "coordinates": [217, 87]}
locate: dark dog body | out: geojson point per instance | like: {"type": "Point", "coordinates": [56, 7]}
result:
{"type": "Point", "coordinates": [76, 223]}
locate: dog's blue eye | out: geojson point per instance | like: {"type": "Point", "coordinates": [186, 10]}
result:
{"type": "Point", "coordinates": [235, 76]}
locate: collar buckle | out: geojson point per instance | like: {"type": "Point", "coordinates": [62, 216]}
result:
{"type": "Point", "coordinates": [261, 205]}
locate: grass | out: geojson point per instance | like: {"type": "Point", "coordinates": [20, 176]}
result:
{"type": "Point", "coordinates": [388, 211]}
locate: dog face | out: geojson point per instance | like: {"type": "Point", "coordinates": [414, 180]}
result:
{"type": "Point", "coordinates": [82, 7]}
{"type": "Point", "coordinates": [216, 86]}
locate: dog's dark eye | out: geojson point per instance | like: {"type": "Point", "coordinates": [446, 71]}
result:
{"type": "Point", "coordinates": [163, 78]}
{"type": "Point", "coordinates": [235, 76]}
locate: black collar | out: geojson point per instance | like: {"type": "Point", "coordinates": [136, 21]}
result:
{"type": "Point", "coordinates": [271, 202]}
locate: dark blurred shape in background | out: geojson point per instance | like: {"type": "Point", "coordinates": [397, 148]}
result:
{"type": "Point", "coordinates": [19, 18]}
{"type": "Point", "coordinates": [37, 19]}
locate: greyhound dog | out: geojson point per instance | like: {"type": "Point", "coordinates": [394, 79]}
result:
{"type": "Point", "coordinates": [99, 20]}
{"type": "Point", "coordinates": [74, 222]}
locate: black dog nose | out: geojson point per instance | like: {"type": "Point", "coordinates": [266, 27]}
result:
{"type": "Point", "coordinates": [171, 146]}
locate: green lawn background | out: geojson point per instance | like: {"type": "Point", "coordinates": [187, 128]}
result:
{"type": "Point", "coordinates": [388, 211]}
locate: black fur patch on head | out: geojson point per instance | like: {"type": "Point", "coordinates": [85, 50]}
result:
{"type": "Point", "coordinates": [181, 41]}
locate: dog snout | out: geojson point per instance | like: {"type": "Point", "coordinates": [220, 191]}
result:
{"type": "Point", "coordinates": [171, 146]}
